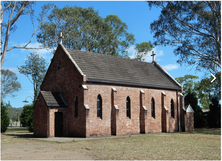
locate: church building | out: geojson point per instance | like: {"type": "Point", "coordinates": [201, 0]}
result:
{"type": "Point", "coordinates": [86, 94]}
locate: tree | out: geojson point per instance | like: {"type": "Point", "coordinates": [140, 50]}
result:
{"type": "Point", "coordinates": [194, 27]}
{"type": "Point", "coordinates": [191, 99]}
{"type": "Point", "coordinates": [206, 89]}
{"type": "Point", "coordinates": [188, 83]}
{"type": "Point", "coordinates": [84, 29]}
{"type": "Point", "coordinates": [142, 50]}
{"type": "Point", "coordinates": [214, 115]}
{"type": "Point", "coordinates": [9, 83]}
{"type": "Point", "coordinates": [26, 117]}
{"type": "Point", "coordinates": [4, 118]}
{"type": "Point", "coordinates": [35, 67]}
{"type": "Point", "coordinates": [203, 88]}
{"type": "Point", "coordinates": [14, 10]}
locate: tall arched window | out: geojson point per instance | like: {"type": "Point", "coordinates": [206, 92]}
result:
{"type": "Point", "coordinates": [128, 107]}
{"type": "Point", "coordinates": [99, 106]}
{"type": "Point", "coordinates": [152, 108]}
{"type": "Point", "coordinates": [76, 106]}
{"type": "Point", "coordinates": [172, 108]}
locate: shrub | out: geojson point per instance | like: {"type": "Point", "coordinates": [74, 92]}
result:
{"type": "Point", "coordinates": [4, 117]}
{"type": "Point", "coordinates": [26, 117]}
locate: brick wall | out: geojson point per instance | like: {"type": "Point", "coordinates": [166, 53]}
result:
{"type": "Point", "coordinates": [125, 125]}
{"type": "Point", "coordinates": [189, 121]}
{"type": "Point", "coordinates": [40, 118]}
{"type": "Point", "coordinates": [63, 77]}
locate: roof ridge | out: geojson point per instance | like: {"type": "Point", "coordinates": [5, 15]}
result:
{"type": "Point", "coordinates": [109, 56]}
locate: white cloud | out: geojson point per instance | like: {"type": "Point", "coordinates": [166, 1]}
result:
{"type": "Point", "coordinates": [131, 51]}
{"type": "Point", "coordinates": [170, 66]}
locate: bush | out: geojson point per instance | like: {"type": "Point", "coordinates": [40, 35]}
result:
{"type": "Point", "coordinates": [4, 118]}
{"type": "Point", "coordinates": [26, 117]}
{"type": "Point", "coordinates": [214, 116]}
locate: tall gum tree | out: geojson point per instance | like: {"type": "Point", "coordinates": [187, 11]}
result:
{"type": "Point", "coordinates": [83, 29]}
{"type": "Point", "coordinates": [10, 13]}
{"type": "Point", "coordinates": [194, 27]}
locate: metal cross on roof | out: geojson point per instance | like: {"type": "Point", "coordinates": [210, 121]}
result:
{"type": "Point", "coordinates": [153, 55]}
{"type": "Point", "coordinates": [61, 37]}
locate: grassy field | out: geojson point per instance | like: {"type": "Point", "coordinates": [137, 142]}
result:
{"type": "Point", "coordinates": [201, 144]}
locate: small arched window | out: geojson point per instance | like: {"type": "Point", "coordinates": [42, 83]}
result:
{"type": "Point", "coordinates": [99, 106]}
{"type": "Point", "coordinates": [153, 108]}
{"type": "Point", "coordinates": [172, 108]}
{"type": "Point", "coordinates": [76, 106]}
{"type": "Point", "coordinates": [128, 114]}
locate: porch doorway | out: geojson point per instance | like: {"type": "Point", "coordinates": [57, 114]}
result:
{"type": "Point", "coordinates": [58, 124]}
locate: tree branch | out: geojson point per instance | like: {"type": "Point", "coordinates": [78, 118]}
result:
{"type": "Point", "coordinates": [186, 24]}
{"type": "Point", "coordinates": [10, 23]}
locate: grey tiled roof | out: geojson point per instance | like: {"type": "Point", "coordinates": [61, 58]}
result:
{"type": "Point", "coordinates": [53, 99]}
{"type": "Point", "coordinates": [111, 69]}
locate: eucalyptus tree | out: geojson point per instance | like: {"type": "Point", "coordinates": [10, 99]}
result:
{"type": "Point", "coordinates": [9, 83]}
{"type": "Point", "coordinates": [194, 27]}
{"type": "Point", "coordinates": [142, 50]}
{"type": "Point", "coordinates": [83, 29]}
{"type": "Point", "coordinates": [10, 13]}
{"type": "Point", "coordinates": [35, 70]}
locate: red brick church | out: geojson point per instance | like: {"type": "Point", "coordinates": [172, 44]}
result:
{"type": "Point", "coordinates": [87, 94]}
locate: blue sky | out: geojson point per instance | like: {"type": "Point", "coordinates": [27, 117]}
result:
{"type": "Point", "coordinates": [137, 16]}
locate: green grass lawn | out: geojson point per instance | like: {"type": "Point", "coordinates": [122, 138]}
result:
{"type": "Point", "coordinates": [201, 144]}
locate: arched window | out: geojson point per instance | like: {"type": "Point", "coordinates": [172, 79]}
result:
{"type": "Point", "coordinates": [128, 107]}
{"type": "Point", "coordinates": [172, 108]}
{"type": "Point", "coordinates": [76, 106]}
{"type": "Point", "coordinates": [152, 108]}
{"type": "Point", "coordinates": [99, 106]}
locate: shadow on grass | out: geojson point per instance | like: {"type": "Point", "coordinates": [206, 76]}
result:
{"type": "Point", "coordinates": [19, 132]}
{"type": "Point", "coordinates": [210, 131]}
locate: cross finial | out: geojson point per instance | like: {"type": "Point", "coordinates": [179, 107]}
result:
{"type": "Point", "coordinates": [61, 37]}
{"type": "Point", "coordinates": [153, 55]}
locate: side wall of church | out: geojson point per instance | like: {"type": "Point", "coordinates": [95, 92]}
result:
{"type": "Point", "coordinates": [63, 77]}
{"type": "Point", "coordinates": [124, 124]}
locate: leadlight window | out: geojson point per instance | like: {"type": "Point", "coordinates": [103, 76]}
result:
{"type": "Point", "coordinates": [128, 114]}
{"type": "Point", "coordinates": [153, 108]}
{"type": "Point", "coordinates": [99, 106]}
{"type": "Point", "coordinates": [76, 106]}
{"type": "Point", "coordinates": [172, 108]}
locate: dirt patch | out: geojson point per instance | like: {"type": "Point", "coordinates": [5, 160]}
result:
{"type": "Point", "coordinates": [16, 145]}
{"type": "Point", "coordinates": [19, 151]}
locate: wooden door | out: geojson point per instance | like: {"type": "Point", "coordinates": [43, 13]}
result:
{"type": "Point", "coordinates": [58, 124]}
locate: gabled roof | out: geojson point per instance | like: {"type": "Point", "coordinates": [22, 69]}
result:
{"type": "Point", "coordinates": [111, 69]}
{"type": "Point", "coordinates": [53, 99]}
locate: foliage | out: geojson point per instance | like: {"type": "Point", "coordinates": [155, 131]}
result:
{"type": "Point", "coordinates": [188, 83]}
{"type": "Point", "coordinates": [194, 27]}
{"type": "Point", "coordinates": [84, 29]}
{"type": "Point", "coordinates": [4, 117]}
{"type": "Point", "coordinates": [191, 99]}
{"type": "Point", "coordinates": [12, 11]}
{"type": "Point", "coordinates": [13, 113]}
{"type": "Point", "coordinates": [203, 88]}
{"type": "Point", "coordinates": [26, 117]}
{"type": "Point", "coordinates": [213, 88]}
{"type": "Point", "coordinates": [142, 50]}
{"type": "Point", "coordinates": [35, 67]}
{"type": "Point", "coordinates": [214, 115]}
{"type": "Point", "coordinates": [9, 83]}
